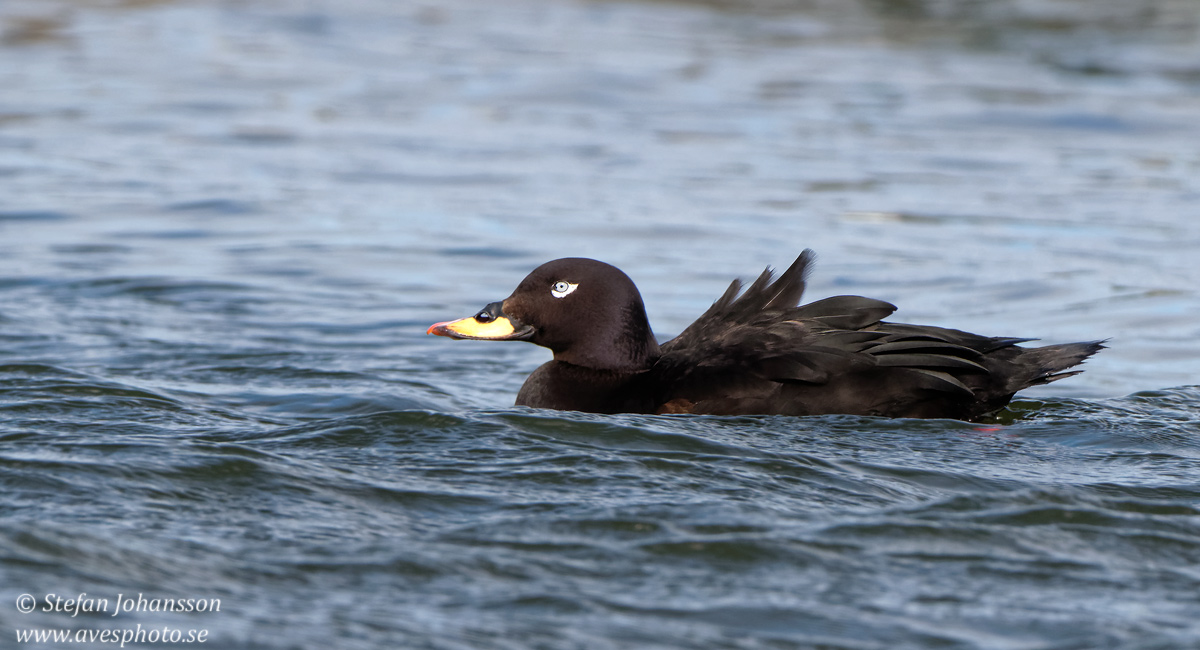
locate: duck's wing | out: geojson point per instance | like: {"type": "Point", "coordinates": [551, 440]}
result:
{"type": "Point", "coordinates": [835, 356]}
{"type": "Point", "coordinates": [760, 353]}
{"type": "Point", "coordinates": [821, 341]}
{"type": "Point", "coordinates": [731, 310]}
{"type": "Point", "coordinates": [746, 346]}
{"type": "Point", "coordinates": [764, 322]}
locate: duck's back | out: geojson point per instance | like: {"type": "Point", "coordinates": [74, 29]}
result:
{"type": "Point", "coordinates": [758, 353]}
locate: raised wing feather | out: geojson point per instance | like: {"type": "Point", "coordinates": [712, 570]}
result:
{"type": "Point", "coordinates": [765, 302]}
{"type": "Point", "coordinates": [762, 335]}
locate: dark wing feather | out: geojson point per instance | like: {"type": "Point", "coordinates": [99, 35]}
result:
{"type": "Point", "coordinates": [763, 335]}
{"type": "Point", "coordinates": [844, 312]}
{"type": "Point", "coordinates": [758, 352]}
{"type": "Point", "coordinates": [731, 310]}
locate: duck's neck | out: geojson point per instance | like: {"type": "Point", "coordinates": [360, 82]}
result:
{"type": "Point", "coordinates": [628, 348]}
{"type": "Point", "coordinates": [567, 387]}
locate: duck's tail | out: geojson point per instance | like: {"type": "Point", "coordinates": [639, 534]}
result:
{"type": "Point", "coordinates": [1050, 363]}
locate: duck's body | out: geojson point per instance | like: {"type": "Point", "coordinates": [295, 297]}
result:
{"type": "Point", "coordinates": [757, 353]}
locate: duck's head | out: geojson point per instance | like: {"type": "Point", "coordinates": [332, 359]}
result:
{"type": "Point", "coordinates": [587, 312]}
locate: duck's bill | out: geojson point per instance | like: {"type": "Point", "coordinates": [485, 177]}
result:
{"type": "Point", "coordinates": [497, 328]}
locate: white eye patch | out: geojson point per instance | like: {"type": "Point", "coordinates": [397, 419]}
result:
{"type": "Point", "coordinates": [562, 288]}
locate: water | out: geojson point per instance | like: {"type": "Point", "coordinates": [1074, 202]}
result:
{"type": "Point", "coordinates": [225, 227]}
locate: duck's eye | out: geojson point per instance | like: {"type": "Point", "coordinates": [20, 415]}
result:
{"type": "Point", "coordinates": [562, 288]}
{"type": "Point", "coordinates": [485, 316]}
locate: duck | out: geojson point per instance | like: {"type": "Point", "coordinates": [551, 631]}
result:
{"type": "Point", "coordinates": [756, 351]}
